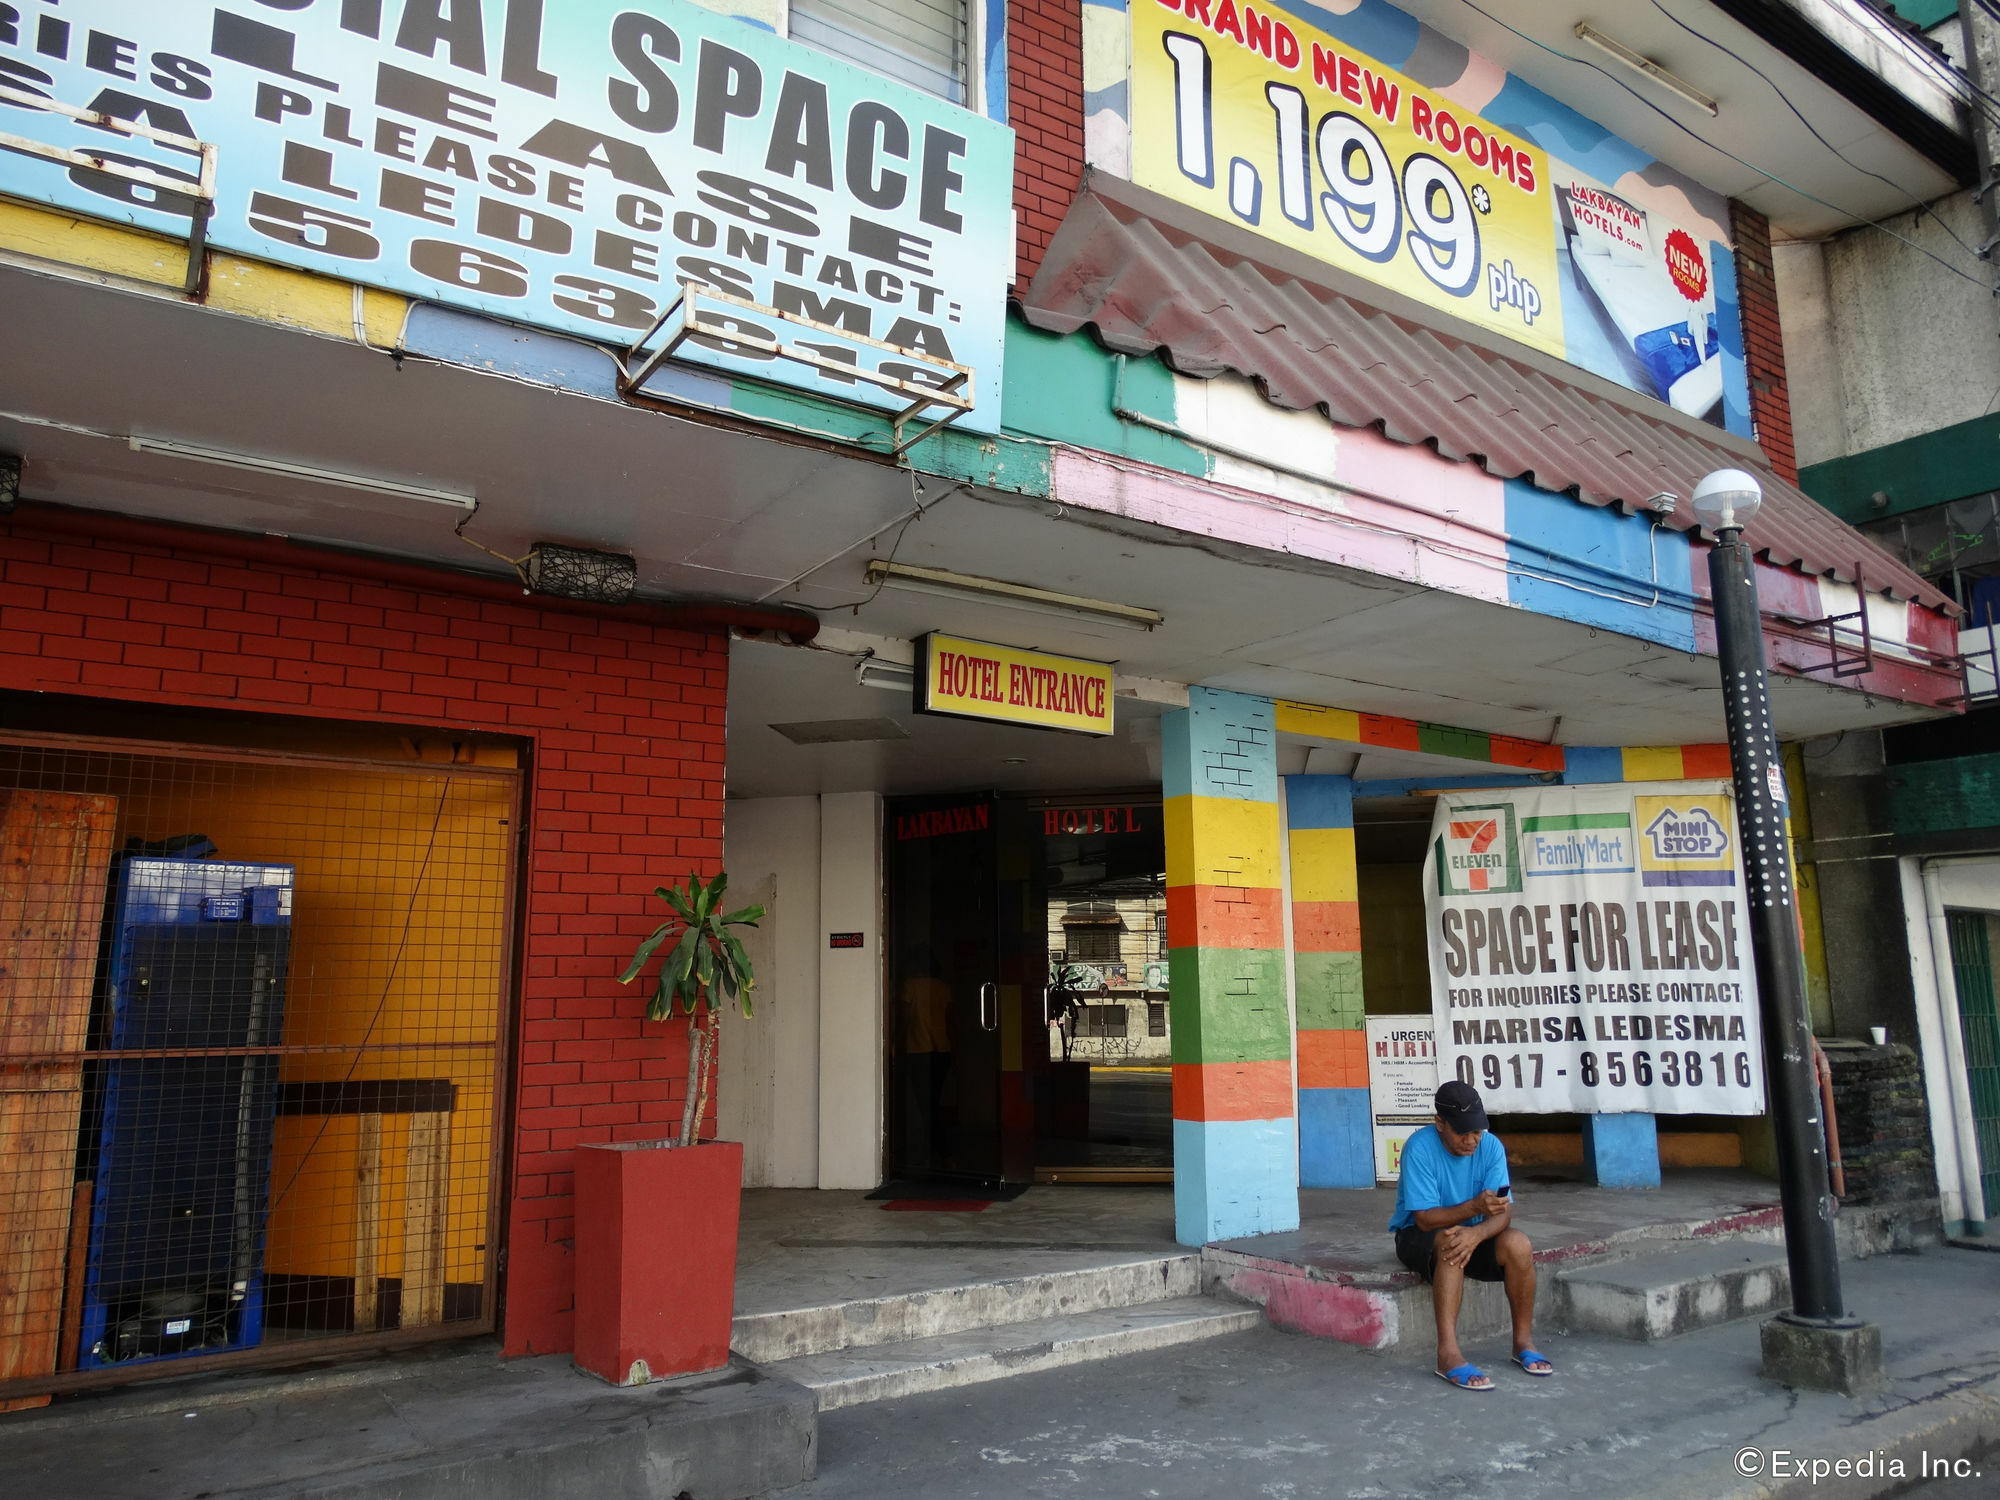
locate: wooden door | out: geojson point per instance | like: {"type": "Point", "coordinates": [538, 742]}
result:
{"type": "Point", "coordinates": [55, 857]}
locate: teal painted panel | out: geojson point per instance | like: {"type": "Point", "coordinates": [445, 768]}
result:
{"type": "Point", "coordinates": [1060, 389]}
{"type": "Point", "coordinates": [1930, 469]}
{"type": "Point", "coordinates": [1944, 796]}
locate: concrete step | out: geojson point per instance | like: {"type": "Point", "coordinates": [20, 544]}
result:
{"type": "Point", "coordinates": [1674, 1288]}
{"type": "Point", "coordinates": [851, 1377]}
{"type": "Point", "coordinates": [795, 1333]}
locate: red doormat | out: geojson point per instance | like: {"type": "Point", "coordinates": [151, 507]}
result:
{"type": "Point", "coordinates": [935, 1205]}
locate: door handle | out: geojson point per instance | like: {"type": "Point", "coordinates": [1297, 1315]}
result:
{"type": "Point", "coordinates": [989, 1011]}
{"type": "Point", "coordinates": [1045, 1005]}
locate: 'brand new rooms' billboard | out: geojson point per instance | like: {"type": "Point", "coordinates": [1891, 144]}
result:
{"type": "Point", "coordinates": [1357, 136]}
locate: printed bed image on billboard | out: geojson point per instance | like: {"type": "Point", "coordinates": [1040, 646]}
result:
{"type": "Point", "coordinates": [1358, 136]}
{"type": "Point", "coordinates": [562, 165]}
{"type": "Point", "coordinates": [1590, 951]}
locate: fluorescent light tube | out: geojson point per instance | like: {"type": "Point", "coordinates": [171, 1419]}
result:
{"type": "Point", "coordinates": [1640, 63]}
{"type": "Point", "coordinates": [965, 586]}
{"type": "Point", "coordinates": [894, 676]}
{"type": "Point", "coordinates": [168, 448]}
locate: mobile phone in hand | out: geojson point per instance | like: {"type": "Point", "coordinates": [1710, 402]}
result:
{"type": "Point", "coordinates": [1503, 1190]}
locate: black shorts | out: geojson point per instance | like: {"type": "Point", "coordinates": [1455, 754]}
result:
{"type": "Point", "coordinates": [1417, 1249]}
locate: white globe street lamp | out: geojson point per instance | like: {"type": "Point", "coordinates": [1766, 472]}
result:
{"type": "Point", "coordinates": [1817, 1342]}
{"type": "Point", "coordinates": [1727, 500]}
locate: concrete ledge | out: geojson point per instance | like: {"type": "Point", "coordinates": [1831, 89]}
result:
{"type": "Point", "coordinates": [471, 1426]}
{"type": "Point", "coordinates": [1864, 1229]}
{"type": "Point", "coordinates": [1376, 1312]}
{"type": "Point", "coordinates": [1674, 1290]}
{"type": "Point", "coordinates": [884, 1372]}
{"type": "Point", "coordinates": [1377, 1304]}
{"type": "Point", "coordinates": [765, 1338]}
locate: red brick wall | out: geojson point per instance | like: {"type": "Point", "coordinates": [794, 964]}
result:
{"type": "Point", "coordinates": [1045, 107]}
{"type": "Point", "coordinates": [1763, 340]}
{"type": "Point", "coordinates": [625, 721]}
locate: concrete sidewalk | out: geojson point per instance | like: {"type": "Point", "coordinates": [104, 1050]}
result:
{"type": "Point", "coordinates": [454, 1421]}
{"type": "Point", "coordinates": [1260, 1411]}
{"type": "Point", "coordinates": [1268, 1413]}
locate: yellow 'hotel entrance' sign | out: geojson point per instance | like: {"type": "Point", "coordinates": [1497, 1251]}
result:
{"type": "Point", "coordinates": [977, 680]}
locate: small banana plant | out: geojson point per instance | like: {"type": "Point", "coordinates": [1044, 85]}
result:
{"type": "Point", "coordinates": [705, 967]}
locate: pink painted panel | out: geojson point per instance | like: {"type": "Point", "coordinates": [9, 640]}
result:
{"type": "Point", "coordinates": [1442, 524]}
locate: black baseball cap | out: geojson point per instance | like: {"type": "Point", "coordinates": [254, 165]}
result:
{"type": "Point", "coordinates": [1459, 1105]}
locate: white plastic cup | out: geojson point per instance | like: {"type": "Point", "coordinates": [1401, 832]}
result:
{"type": "Point", "coordinates": [1879, 1035]}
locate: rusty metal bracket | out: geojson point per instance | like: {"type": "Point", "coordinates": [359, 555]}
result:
{"type": "Point", "coordinates": [1855, 663]}
{"type": "Point", "coordinates": [953, 392]}
{"type": "Point", "coordinates": [1990, 653]}
{"type": "Point", "coordinates": [200, 189]}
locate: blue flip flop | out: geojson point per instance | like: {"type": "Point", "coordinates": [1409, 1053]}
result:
{"type": "Point", "coordinates": [1463, 1376]}
{"type": "Point", "coordinates": [1533, 1356]}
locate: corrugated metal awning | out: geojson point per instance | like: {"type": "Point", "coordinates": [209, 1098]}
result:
{"type": "Point", "coordinates": [1151, 275]}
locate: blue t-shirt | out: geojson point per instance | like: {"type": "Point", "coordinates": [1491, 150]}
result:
{"type": "Point", "coordinates": [1434, 1178]}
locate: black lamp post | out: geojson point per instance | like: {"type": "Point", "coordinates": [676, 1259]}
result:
{"type": "Point", "coordinates": [1815, 1344]}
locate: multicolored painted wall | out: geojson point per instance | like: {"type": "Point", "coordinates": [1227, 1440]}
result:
{"type": "Point", "coordinates": [1212, 457]}
{"type": "Point", "coordinates": [1268, 989]}
{"type": "Point", "coordinates": [1235, 1169]}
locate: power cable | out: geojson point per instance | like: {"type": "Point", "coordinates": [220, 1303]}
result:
{"type": "Point", "coordinates": [388, 984]}
{"type": "Point", "coordinates": [1940, 62]}
{"type": "Point", "coordinates": [1699, 139]}
{"type": "Point", "coordinates": [1916, 203]}
{"type": "Point", "coordinates": [1961, 86]}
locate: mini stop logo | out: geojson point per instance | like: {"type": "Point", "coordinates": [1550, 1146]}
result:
{"type": "Point", "coordinates": [1685, 265]}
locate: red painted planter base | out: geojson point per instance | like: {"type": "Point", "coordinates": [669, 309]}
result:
{"type": "Point", "coordinates": [655, 1257]}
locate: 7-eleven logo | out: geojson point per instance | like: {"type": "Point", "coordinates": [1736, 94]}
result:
{"type": "Point", "coordinates": [1475, 852]}
{"type": "Point", "coordinates": [1472, 849]}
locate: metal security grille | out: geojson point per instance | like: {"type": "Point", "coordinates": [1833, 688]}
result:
{"type": "Point", "coordinates": [250, 1033]}
{"type": "Point", "coordinates": [1979, 1023]}
{"type": "Point", "coordinates": [918, 42]}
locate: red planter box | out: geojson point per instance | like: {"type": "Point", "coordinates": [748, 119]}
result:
{"type": "Point", "coordinates": [655, 1257]}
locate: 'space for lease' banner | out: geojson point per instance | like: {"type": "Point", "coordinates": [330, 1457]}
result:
{"type": "Point", "coordinates": [564, 165]}
{"type": "Point", "coordinates": [1590, 951]}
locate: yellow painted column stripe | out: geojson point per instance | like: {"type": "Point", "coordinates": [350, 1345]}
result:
{"type": "Point", "coordinates": [1222, 841]}
{"type": "Point", "coordinates": [1323, 865]}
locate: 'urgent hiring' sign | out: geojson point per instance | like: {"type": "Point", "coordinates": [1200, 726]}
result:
{"type": "Point", "coordinates": [566, 166]}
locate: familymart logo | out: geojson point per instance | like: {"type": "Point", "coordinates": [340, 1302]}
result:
{"type": "Point", "coordinates": [1477, 852]}
{"type": "Point", "coordinates": [1597, 843]}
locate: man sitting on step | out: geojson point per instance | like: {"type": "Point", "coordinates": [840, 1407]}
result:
{"type": "Point", "coordinates": [1454, 1219]}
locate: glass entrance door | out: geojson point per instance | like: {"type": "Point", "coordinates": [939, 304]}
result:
{"type": "Point", "coordinates": [944, 988]}
{"type": "Point", "coordinates": [1028, 984]}
{"type": "Point", "coordinates": [1104, 1092]}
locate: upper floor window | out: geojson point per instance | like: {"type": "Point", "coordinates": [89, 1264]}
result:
{"type": "Point", "coordinates": [919, 42]}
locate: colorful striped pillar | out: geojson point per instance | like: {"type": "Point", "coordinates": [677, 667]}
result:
{"type": "Point", "coordinates": [1235, 1148]}
{"type": "Point", "coordinates": [1336, 1132]}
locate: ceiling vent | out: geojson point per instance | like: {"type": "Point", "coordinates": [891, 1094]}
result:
{"type": "Point", "coordinates": [841, 731]}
